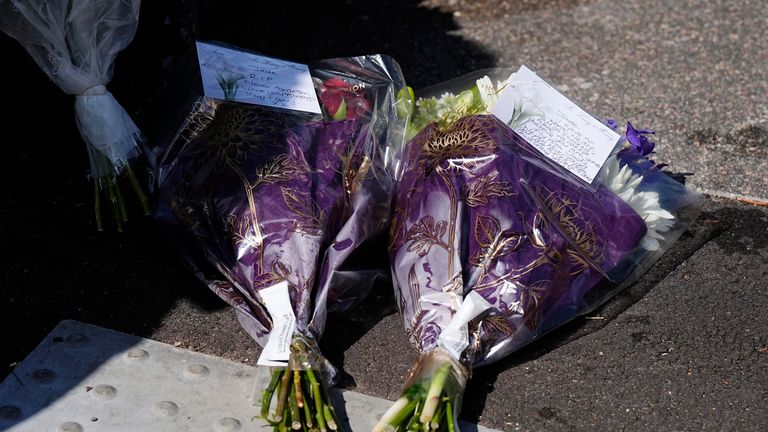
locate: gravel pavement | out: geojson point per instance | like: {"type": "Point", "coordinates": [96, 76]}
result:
{"type": "Point", "coordinates": [695, 71]}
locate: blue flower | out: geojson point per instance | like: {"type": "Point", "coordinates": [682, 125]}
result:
{"type": "Point", "coordinates": [638, 146]}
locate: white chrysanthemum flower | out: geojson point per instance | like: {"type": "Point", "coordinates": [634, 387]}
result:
{"type": "Point", "coordinates": [445, 103]}
{"type": "Point", "coordinates": [623, 182]}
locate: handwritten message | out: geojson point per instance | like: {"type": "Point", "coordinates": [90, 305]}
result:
{"type": "Point", "coordinates": [244, 77]}
{"type": "Point", "coordinates": [555, 125]}
{"type": "Point", "coordinates": [278, 347]}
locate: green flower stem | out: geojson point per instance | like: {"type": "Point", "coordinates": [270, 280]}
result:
{"type": "Point", "coordinates": [294, 410]}
{"type": "Point", "coordinates": [266, 395]}
{"type": "Point", "coordinates": [329, 417]}
{"type": "Point", "coordinates": [120, 203]}
{"type": "Point", "coordinates": [297, 388]}
{"type": "Point", "coordinates": [323, 411]}
{"type": "Point", "coordinates": [97, 204]}
{"type": "Point", "coordinates": [390, 414]}
{"type": "Point", "coordinates": [143, 200]}
{"type": "Point", "coordinates": [318, 401]}
{"type": "Point", "coordinates": [284, 422]}
{"type": "Point", "coordinates": [308, 415]}
{"type": "Point", "coordinates": [435, 422]}
{"type": "Point", "coordinates": [433, 395]}
{"type": "Point", "coordinates": [109, 184]}
{"type": "Point", "coordinates": [282, 396]}
{"type": "Point", "coordinates": [413, 424]}
{"type": "Point", "coordinates": [404, 413]}
{"type": "Point", "coordinates": [316, 414]}
{"type": "Point", "coordinates": [427, 404]}
{"type": "Point", "coordinates": [113, 203]}
{"type": "Point", "coordinates": [449, 415]}
{"type": "Point", "coordinates": [302, 402]}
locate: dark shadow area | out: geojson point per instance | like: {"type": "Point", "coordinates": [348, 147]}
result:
{"type": "Point", "coordinates": [57, 266]}
{"type": "Point", "coordinates": [482, 11]}
{"type": "Point", "coordinates": [342, 330]}
{"type": "Point", "coordinates": [420, 39]}
{"type": "Point", "coordinates": [750, 227]}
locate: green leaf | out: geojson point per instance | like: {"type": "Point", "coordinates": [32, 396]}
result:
{"type": "Point", "coordinates": [405, 101]}
{"type": "Point", "coordinates": [341, 113]}
{"type": "Point", "coordinates": [477, 101]}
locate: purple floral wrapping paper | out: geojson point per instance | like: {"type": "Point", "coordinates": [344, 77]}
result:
{"type": "Point", "coordinates": [479, 209]}
{"type": "Point", "coordinates": [266, 196]}
{"type": "Point", "coordinates": [256, 195]}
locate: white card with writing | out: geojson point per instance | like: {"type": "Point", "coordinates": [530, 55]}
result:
{"type": "Point", "coordinates": [245, 77]}
{"type": "Point", "coordinates": [278, 347]}
{"type": "Point", "coordinates": [554, 125]}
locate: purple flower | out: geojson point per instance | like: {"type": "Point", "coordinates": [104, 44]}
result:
{"type": "Point", "coordinates": [638, 145]}
{"type": "Point", "coordinates": [611, 123]}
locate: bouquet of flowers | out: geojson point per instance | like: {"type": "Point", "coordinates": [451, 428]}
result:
{"type": "Point", "coordinates": [269, 203]}
{"type": "Point", "coordinates": [492, 244]}
{"type": "Point", "coordinates": [75, 44]}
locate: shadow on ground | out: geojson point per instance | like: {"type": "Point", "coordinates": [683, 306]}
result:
{"type": "Point", "coordinates": [56, 265]}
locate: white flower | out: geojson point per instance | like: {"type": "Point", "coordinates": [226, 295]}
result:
{"type": "Point", "coordinates": [623, 182]}
{"type": "Point", "coordinates": [489, 93]}
{"type": "Point", "coordinates": [445, 103]}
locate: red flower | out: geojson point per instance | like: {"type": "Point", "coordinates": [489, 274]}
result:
{"type": "Point", "coordinates": [343, 100]}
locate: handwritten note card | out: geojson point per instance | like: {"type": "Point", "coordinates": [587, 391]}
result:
{"type": "Point", "coordinates": [554, 125]}
{"type": "Point", "coordinates": [277, 350]}
{"type": "Point", "coordinates": [250, 78]}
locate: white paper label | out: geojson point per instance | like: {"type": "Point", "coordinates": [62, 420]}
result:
{"type": "Point", "coordinates": [557, 127]}
{"type": "Point", "coordinates": [250, 78]}
{"type": "Point", "coordinates": [455, 336]}
{"type": "Point", "coordinates": [278, 347]}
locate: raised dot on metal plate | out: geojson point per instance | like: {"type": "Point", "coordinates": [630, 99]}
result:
{"type": "Point", "coordinates": [227, 424]}
{"type": "Point", "coordinates": [44, 376]}
{"type": "Point", "coordinates": [103, 392]}
{"type": "Point", "coordinates": [196, 371]}
{"type": "Point", "coordinates": [165, 409]}
{"type": "Point", "coordinates": [136, 354]}
{"type": "Point", "coordinates": [77, 339]}
{"type": "Point", "coordinates": [70, 427]}
{"type": "Point", "coordinates": [10, 412]}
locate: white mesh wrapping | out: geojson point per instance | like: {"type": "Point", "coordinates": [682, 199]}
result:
{"type": "Point", "coordinates": [75, 43]}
